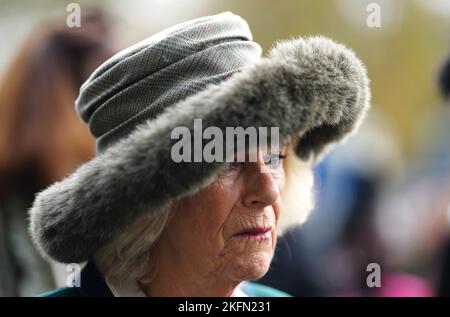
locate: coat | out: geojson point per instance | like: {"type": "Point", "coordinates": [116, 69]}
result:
{"type": "Point", "coordinates": [93, 284]}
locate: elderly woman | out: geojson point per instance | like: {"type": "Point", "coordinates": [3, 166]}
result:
{"type": "Point", "coordinates": [150, 224]}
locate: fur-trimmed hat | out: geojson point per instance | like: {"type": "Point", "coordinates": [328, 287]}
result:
{"type": "Point", "coordinates": [207, 68]}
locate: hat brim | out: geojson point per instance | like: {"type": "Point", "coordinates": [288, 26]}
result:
{"type": "Point", "coordinates": [311, 88]}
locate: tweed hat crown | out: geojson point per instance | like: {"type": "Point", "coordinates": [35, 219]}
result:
{"type": "Point", "coordinates": [312, 89]}
{"type": "Point", "coordinates": [166, 68]}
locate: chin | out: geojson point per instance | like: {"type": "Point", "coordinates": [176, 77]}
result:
{"type": "Point", "coordinates": [252, 268]}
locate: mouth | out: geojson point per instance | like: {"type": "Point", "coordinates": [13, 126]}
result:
{"type": "Point", "coordinates": [260, 233]}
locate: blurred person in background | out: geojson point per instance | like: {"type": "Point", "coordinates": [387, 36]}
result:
{"type": "Point", "coordinates": [444, 278]}
{"type": "Point", "coordinates": [415, 218]}
{"type": "Point", "coordinates": [444, 80]}
{"type": "Point", "coordinates": [41, 138]}
{"type": "Point", "coordinates": [364, 174]}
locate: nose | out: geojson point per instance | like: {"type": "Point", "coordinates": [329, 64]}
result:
{"type": "Point", "coordinates": [261, 189]}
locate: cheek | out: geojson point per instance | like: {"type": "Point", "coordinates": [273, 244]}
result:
{"type": "Point", "coordinates": [200, 218]}
{"type": "Point", "coordinates": [280, 178]}
{"type": "Point", "coordinates": [220, 199]}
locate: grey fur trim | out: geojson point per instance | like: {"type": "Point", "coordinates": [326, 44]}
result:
{"type": "Point", "coordinates": [313, 88]}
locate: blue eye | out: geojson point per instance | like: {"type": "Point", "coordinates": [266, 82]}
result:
{"type": "Point", "coordinates": [274, 160]}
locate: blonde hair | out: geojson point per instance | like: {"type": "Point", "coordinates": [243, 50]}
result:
{"type": "Point", "coordinates": [130, 256]}
{"type": "Point", "coordinates": [297, 197]}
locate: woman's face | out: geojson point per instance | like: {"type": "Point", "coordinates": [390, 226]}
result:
{"type": "Point", "coordinates": [228, 230]}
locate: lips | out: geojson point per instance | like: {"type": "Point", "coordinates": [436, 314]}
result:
{"type": "Point", "coordinates": [257, 232]}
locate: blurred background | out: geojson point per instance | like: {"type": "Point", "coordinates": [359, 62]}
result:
{"type": "Point", "coordinates": [382, 197]}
